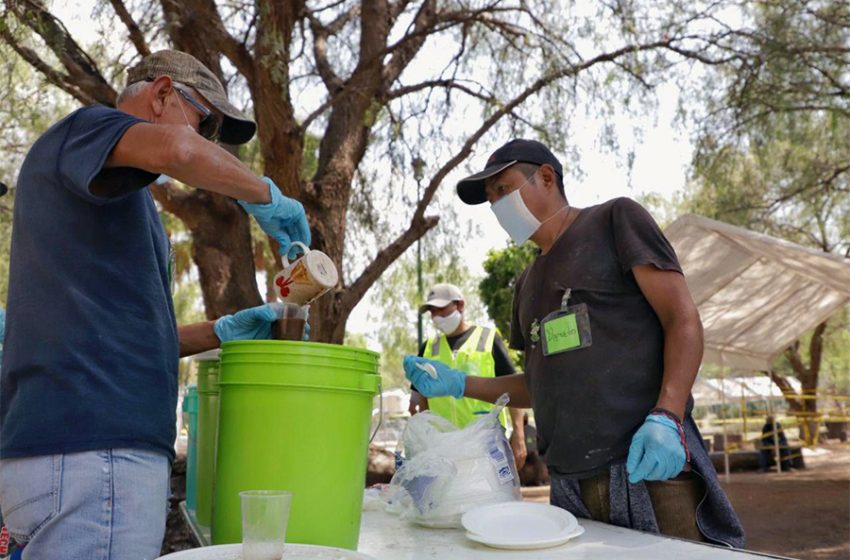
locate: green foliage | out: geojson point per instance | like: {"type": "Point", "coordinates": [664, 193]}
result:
{"type": "Point", "coordinates": [356, 340]}
{"type": "Point", "coordinates": [28, 109]}
{"type": "Point", "coordinates": [775, 155]}
{"type": "Point", "coordinates": [502, 269]}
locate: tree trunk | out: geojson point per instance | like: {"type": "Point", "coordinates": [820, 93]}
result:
{"type": "Point", "coordinates": [221, 247]}
{"type": "Point", "coordinates": [805, 404]}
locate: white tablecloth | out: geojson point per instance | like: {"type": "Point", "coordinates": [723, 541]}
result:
{"type": "Point", "coordinates": [386, 537]}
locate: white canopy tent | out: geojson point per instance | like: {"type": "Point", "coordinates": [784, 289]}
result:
{"type": "Point", "coordinates": [716, 391]}
{"type": "Point", "coordinates": [756, 294]}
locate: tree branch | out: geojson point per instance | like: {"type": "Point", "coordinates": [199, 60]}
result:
{"type": "Point", "coordinates": [332, 82]}
{"type": "Point", "coordinates": [406, 50]}
{"type": "Point", "coordinates": [385, 257]}
{"type": "Point", "coordinates": [82, 70]}
{"type": "Point", "coordinates": [433, 84]}
{"type": "Point", "coordinates": [52, 75]}
{"type": "Point", "coordinates": [136, 35]}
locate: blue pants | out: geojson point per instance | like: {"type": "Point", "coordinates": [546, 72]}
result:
{"type": "Point", "coordinates": [97, 505]}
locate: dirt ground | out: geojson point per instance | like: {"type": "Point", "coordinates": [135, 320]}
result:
{"type": "Point", "coordinates": [802, 514]}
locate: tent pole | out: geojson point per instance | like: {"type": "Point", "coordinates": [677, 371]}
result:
{"type": "Point", "coordinates": [723, 418]}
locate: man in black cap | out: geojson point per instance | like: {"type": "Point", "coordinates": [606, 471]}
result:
{"type": "Point", "coordinates": [612, 343]}
{"type": "Point", "coordinates": [88, 388]}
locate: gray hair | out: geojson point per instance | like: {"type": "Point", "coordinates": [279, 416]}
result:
{"type": "Point", "coordinates": [130, 91]}
{"type": "Point", "coordinates": [136, 88]}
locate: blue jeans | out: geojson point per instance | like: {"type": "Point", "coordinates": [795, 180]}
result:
{"type": "Point", "coordinates": [108, 504]}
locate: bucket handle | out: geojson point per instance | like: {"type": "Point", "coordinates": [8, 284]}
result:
{"type": "Point", "coordinates": [380, 412]}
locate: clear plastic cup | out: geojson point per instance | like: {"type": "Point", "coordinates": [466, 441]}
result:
{"type": "Point", "coordinates": [291, 320]}
{"type": "Point", "coordinates": [265, 514]}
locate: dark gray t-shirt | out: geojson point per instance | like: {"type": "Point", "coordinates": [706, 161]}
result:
{"type": "Point", "coordinates": [589, 402]}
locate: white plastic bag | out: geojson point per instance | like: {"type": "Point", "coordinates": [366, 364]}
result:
{"type": "Point", "coordinates": [448, 471]}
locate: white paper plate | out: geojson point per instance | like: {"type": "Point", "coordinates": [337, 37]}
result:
{"type": "Point", "coordinates": [519, 521]}
{"type": "Point", "coordinates": [290, 552]}
{"type": "Point", "coordinates": [526, 545]}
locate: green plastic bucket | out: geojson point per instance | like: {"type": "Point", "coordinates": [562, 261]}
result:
{"type": "Point", "coordinates": [295, 416]}
{"type": "Point", "coordinates": [190, 410]}
{"type": "Point", "coordinates": [208, 396]}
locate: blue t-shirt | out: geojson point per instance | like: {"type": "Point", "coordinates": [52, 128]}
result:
{"type": "Point", "coordinates": [91, 350]}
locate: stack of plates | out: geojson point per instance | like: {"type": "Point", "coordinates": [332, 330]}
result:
{"type": "Point", "coordinates": [520, 525]}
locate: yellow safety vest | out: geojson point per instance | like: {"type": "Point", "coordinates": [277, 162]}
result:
{"type": "Point", "coordinates": [474, 357]}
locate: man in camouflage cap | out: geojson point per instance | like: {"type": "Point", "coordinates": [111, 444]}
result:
{"type": "Point", "coordinates": [184, 68]}
{"type": "Point", "coordinates": [88, 389]}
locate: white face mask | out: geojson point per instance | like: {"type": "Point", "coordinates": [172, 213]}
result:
{"type": "Point", "coordinates": [515, 217]}
{"type": "Point", "coordinates": [447, 324]}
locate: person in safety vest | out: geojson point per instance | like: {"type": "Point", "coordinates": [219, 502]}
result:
{"type": "Point", "coordinates": [473, 350]}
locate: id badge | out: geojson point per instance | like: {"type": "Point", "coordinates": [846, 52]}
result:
{"type": "Point", "coordinates": [566, 329]}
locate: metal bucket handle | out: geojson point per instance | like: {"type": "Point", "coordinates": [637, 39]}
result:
{"type": "Point", "coordinates": [380, 411]}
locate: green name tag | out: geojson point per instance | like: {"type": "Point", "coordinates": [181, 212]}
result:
{"type": "Point", "coordinates": [561, 334]}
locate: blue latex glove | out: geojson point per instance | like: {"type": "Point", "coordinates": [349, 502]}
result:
{"type": "Point", "coordinates": [656, 452]}
{"type": "Point", "coordinates": [448, 381]}
{"type": "Point", "coordinates": [283, 219]}
{"type": "Point", "coordinates": [254, 323]}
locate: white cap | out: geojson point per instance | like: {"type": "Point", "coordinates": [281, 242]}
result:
{"type": "Point", "coordinates": [440, 296]}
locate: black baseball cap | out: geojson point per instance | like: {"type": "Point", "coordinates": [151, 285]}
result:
{"type": "Point", "coordinates": [518, 150]}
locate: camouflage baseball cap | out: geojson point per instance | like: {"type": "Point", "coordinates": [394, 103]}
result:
{"type": "Point", "coordinates": [186, 69]}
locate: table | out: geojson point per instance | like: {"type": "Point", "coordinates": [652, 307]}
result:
{"type": "Point", "coordinates": [387, 537]}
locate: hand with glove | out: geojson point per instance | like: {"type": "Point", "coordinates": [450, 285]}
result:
{"type": "Point", "coordinates": [283, 219]}
{"type": "Point", "coordinates": [254, 323]}
{"type": "Point", "coordinates": [658, 450]}
{"type": "Point", "coordinates": [434, 379]}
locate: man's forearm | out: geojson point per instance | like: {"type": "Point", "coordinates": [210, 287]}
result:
{"type": "Point", "coordinates": [683, 347]}
{"type": "Point", "coordinates": [210, 167]}
{"type": "Point", "coordinates": [518, 420]}
{"type": "Point", "coordinates": [196, 338]}
{"type": "Point", "coordinates": [489, 389]}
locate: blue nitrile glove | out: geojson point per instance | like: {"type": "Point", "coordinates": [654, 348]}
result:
{"type": "Point", "coordinates": [307, 326]}
{"type": "Point", "coordinates": [657, 451]}
{"type": "Point", "coordinates": [254, 323]}
{"type": "Point", "coordinates": [448, 381]}
{"type": "Point", "coordinates": [283, 219]}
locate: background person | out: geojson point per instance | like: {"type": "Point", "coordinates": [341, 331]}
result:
{"type": "Point", "coordinates": [473, 350]}
{"type": "Point", "coordinates": [88, 389]}
{"type": "Point", "coordinates": [773, 429]}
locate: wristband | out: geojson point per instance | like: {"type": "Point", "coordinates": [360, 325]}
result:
{"type": "Point", "coordinates": [664, 412]}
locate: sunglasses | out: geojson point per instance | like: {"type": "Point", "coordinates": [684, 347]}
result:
{"type": "Point", "coordinates": [209, 126]}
